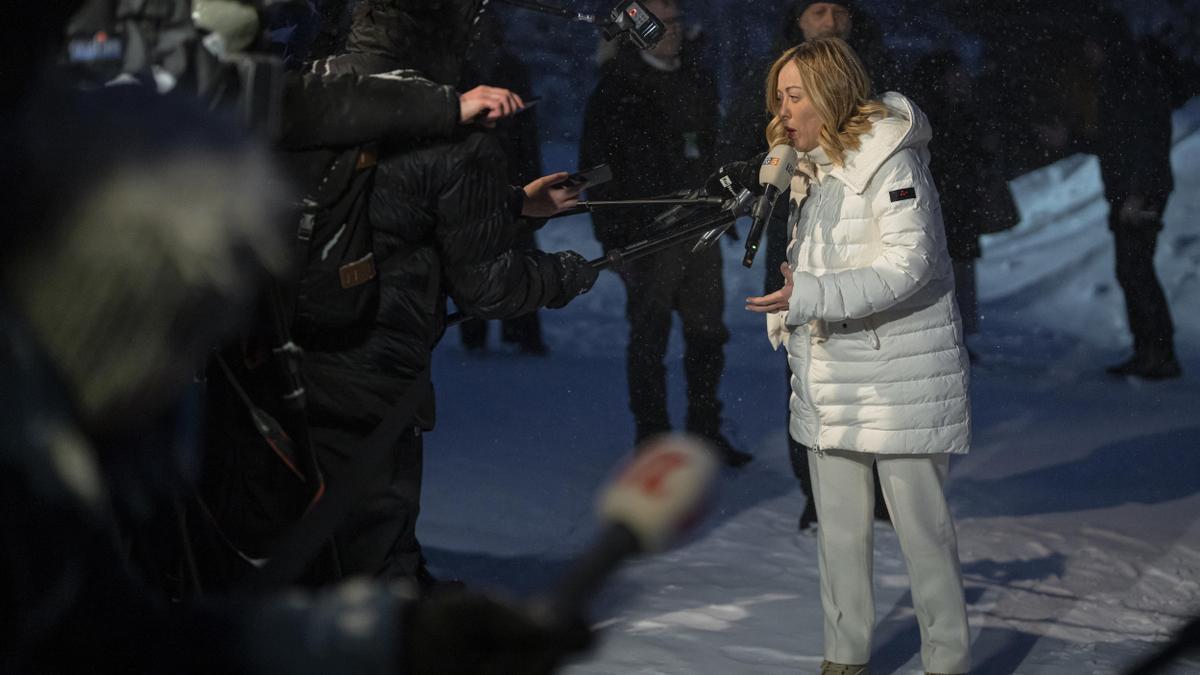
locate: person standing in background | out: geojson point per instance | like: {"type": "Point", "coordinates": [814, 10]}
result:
{"type": "Point", "coordinates": [488, 60]}
{"type": "Point", "coordinates": [973, 192]}
{"type": "Point", "coordinates": [653, 119]}
{"type": "Point", "coordinates": [1117, 108]}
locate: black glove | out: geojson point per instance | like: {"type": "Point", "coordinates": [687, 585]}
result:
{"type": "Point", "coordinates": [467, 633]}
{"type": "Point", "coordinates": [728, 180]}
{"type": "Point", "coordinates": [575, 275]}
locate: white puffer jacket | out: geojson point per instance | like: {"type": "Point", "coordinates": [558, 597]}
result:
{"type": "Point", "coordinates": [874, 335]}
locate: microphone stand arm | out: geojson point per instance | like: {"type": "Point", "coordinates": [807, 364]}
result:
{"type": "Point", "coordinates": [586, 206]}
{"type": "Point", "coordinates": [617, 257]}
{"type": "Point", "coordinates": [670, 201]}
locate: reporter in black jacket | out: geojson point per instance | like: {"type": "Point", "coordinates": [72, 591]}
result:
{"type": "Point", "coordinates": [444, 223]}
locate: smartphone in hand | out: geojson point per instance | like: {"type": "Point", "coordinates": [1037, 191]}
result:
{"type": "Point", "coordinates": [587, 178]}
{"type": "Point", "coordinates": [529, 103]}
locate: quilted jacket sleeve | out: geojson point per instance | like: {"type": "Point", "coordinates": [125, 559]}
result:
{"type": "Point", "coordinates": [487, 277]}
{"type": "Point", "coordinates": [344, 109]}
{"type": "Point", "coordinates": [904, 204]}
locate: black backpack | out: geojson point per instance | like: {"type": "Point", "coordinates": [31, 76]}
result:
{"type": "Point", "coordinates": [336, 286]}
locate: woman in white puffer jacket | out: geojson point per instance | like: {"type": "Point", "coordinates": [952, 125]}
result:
{"type": "Point", "coordinates": [874, 341]}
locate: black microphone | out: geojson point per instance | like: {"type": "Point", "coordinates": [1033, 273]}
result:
{"type": "Point", "coordinates": [731, 178]}
{"type": "Point", "coordinates": [737, 206]}
{"type": "Point", "coordinates": [775, 175]}
{"type": "Point", "coordinates": [653, 500]}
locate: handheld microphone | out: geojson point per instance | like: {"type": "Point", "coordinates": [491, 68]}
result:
{"type": "Point", "coordinates": [775, 175]}
{"type": "Point", "coordinates": [657, 497]}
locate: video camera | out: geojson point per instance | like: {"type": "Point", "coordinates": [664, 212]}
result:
{"type": "Point", "coordinates": [629, 18]}
{"type": "Point", "coordinates": [633, 19]}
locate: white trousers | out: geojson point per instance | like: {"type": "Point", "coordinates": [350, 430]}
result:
{"type": "Point", "coordinates": [845, 498]}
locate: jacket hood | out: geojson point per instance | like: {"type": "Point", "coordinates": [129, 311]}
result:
{"type": "Point", "coordinates": [905, 127]}
{"type": "Point", "coordinates": [431, 36]}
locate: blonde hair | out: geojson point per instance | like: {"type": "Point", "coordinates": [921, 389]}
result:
{"type": "Point", "coordinates": [838, 86]}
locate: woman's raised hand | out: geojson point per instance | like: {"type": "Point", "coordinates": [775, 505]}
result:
{"type": "Point", "coordinates": [777, 301]}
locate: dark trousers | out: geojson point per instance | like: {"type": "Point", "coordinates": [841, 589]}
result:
{"type": "Point", "coordinates": [521, 330]}
{"type": "Point", "coordinates": [378, 538]}
{"type": "Point", "coordinates": [1145, 303]}
{"type": "Point", "coordinates": [676, 281]}
{"type": "Point", "coordinates": [966, 295]}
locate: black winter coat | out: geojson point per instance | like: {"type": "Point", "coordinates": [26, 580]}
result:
{"type": "Point", "coordinates": [1133, 138]}
{"type": "Point", "coordinates": [334, 110]}
{"type": "Point", "coordinates": [444, 226]}
{"type": "Point", "coordinates": [656, 129]}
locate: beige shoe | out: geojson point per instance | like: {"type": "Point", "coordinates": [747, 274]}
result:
{"type": "Point", "coordinates": [831, 668]}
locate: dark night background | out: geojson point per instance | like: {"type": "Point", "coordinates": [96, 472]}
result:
{"type": "Point", "coordinates": [561, 54]}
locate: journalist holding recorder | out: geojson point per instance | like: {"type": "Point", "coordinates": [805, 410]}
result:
{"type": "Point", "coordinates": [874, 342]}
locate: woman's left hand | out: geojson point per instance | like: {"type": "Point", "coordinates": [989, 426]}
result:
{"type": "Point", "coordinates": [543, 201]}
{"type": "Point", "coordinates": [777, 301]}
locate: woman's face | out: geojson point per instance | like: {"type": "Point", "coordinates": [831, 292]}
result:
{"type": "Point", "coordinates": [796, 111]}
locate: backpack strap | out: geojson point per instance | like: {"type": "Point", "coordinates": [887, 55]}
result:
{"type": "Point", "coordinates": [303, 539]}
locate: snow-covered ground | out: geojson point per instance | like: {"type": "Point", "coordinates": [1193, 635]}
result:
{"type": "Point", "coordinates": [1078, 508]}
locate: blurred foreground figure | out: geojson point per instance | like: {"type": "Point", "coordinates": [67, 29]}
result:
{"type": "Point", "coordinates": [119, 269]}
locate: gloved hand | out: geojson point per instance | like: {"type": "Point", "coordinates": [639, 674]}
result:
{"type": "Point", "coordinates": [575, 275]}
{"type": "Point", "coordinates": [468, 633]}
{"type": "Point", "coordinates": [728, 180]}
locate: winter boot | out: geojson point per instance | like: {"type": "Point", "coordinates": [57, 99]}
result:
{"type": "Point", "coordinates": [1125, 367]}
{"type": "Point", "coordinates": [729, 454]}
{"type": "Point", "coordinates": [1152, 363]}
{"type": "Point", "coordinates": [831, 668]}
{"type": "Point", "coordinates": [1158, 363]}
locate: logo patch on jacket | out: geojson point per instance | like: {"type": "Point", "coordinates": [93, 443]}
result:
{"type": "Point", "coordinates": [902, 194]}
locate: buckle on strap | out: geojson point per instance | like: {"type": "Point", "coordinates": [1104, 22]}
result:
{"type": "Point", "coordinates": [358, 272]}
{"type": "Point", "coordinates": [367, 158]}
